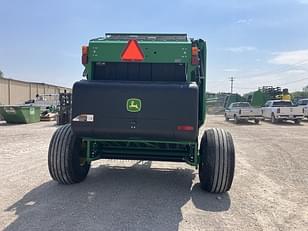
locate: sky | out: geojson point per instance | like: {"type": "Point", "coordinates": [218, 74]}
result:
{"type": "Point", "coordinates": [259, 43]}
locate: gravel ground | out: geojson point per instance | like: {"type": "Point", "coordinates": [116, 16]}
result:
{"type": "Point", "coordinates": [269, 190]}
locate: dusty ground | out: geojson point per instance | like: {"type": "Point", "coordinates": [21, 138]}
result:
{"type": "Point", "coordinates": [269, 190]}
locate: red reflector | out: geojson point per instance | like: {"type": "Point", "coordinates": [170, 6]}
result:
{"type": "Point", "coordinates": [185, 128]}
{"type": "Point", "coordinates": [84, 59]}
{"type": "Point", "coordinates": [194, 60]}
{"type": "Point", "coordinates": [132, 52]}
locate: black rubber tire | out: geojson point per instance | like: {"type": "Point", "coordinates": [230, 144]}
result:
{"type": "Point", "coordinates": [297, 121]}
{"type": "Point", "coordinates": [226, 118]}
{"type": "Point", "coordinates": [257, 121]}
{"type": "Point", "coordinates": [236, 120]}
{"type": "Point", "coordinates": [217, 161]}
{"type": "Point", "coordinates": [273, 119]}
{"type": "Point", "coordinates": [64, 157]}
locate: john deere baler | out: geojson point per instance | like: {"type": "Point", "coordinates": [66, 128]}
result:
{"type": "Point", "coordinates": [143, 100]}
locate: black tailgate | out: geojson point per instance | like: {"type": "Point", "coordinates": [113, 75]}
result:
{"type": "Point", "coordinates": [159, 111]}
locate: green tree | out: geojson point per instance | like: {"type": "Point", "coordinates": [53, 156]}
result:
{"type": "Point", "coordinates": [1, 74]}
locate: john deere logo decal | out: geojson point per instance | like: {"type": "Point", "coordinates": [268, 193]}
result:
{"type": "Point", "coordinates": [133, 105]}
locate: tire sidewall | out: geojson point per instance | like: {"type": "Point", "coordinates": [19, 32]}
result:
{"type": "Point", "coordinates": [64, 157]}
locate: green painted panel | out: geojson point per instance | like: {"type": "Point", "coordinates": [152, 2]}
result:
{"type": "Point", "coordinates": [258, 99]}
{"type": "Point", "coordinates": [154, 52]}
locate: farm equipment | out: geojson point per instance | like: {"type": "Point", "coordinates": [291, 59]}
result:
{"type": "Point", "coordinates": [262, 95]}
{"type": "Point", "coordinates": [65, 108]}
{"type": "Point", "coordinates": [48, 104]}
{"type": "Point", "coordinates": [144, 99]}
{"type": "Point", "coordinates": [233, 98]}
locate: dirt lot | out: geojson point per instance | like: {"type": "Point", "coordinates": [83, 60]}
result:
{"type": "Point", "coordinates": [269, 190]}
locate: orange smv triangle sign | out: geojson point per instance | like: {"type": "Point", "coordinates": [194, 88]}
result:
{"type": "Point", "coordinates": [132, 52]}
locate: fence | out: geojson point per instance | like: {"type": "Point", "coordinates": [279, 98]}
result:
{"type": "Point", "coordinates": [17, 92]}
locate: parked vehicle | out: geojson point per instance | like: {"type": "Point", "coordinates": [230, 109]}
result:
{"type": "Point", "coordinates": [282, 110]}
{"type": "Point", "coordinates": [240, 111]}
{"type": "Point", "coordinates": [303, 103]}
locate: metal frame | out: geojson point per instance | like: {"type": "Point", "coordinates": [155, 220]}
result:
{"type": "Point", "coordinates": [177, 151]}
{"type": "Point", "coordinates": [146, 36]}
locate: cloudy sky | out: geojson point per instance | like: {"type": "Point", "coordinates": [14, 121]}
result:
{"type": "Point", "coordinates": [262, 42]}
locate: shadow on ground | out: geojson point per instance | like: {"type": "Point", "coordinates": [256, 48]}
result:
{"type": "Point", "coordinates": [243, 122]}
{"type": "Point", "coordinates": [115, 198]}
{"type": "Point", "coordinates": [284, 123]}
{"type": "Point", "coordinates": [46, 124]}
{"type": "Point", "coordinates": [7, 124]}
{"type": "Point", "coordinates": [51, 124]}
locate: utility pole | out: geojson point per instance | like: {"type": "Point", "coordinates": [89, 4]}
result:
{"type": "Point", "coordinates": [232, 81]}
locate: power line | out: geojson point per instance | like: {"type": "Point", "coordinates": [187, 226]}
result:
{"type": "Point", "coordinates": [283, 84]}
{"type": "Point", "coordinates": [245, 88]}
{"type": "Point", "coordinates": [277, 71]}
{"type": "Point", "coordinates": [295, 81]}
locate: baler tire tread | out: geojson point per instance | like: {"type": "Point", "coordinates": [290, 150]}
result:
{"type": "Point", "coordinates": [217, 161]}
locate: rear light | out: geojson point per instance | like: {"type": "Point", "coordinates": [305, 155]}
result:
{"type": "Point", "coordinates": [194, 56]}
{"type": "Point", "coordinates": [84, 58]}
{"type": "Point", "coordinates": [278, 110]}
{"type": "Point", "coordinates": [194, 51]}
{"type": "Point", "coordinates": [186, 128]}
{"type": "Point", "coordinates": [85, 50]}
{"type": "Point", "coordinates": [240, 111]}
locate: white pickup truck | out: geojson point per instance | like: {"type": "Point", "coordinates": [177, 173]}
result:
{"type": "Point", "coordinates": [243, 111]}
{"type": "Point", "coordinates": [281, 110]}
{"type": "Point", "coordinates": [303, 103]}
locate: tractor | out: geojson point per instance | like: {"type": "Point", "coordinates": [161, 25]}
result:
{"type": "Point", "coordinates": [143, 98]}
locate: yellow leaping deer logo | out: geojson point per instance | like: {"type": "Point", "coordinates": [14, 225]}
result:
{"type": "Point", "coordinates": [133, 105]}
